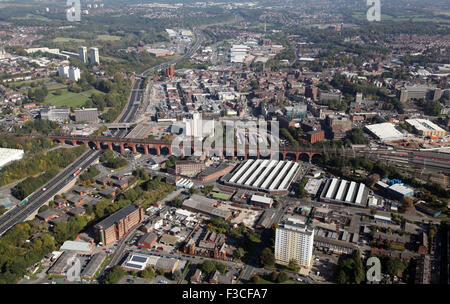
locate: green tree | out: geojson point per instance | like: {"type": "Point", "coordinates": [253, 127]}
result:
{"type": "Point", "coordinates": [282, 277]}
{"type": "Point", "coordinates": [267, 257]}
{"type": "Point", "coordinates": [293, 265]}
{"type": "Point", "coordinates": [114, 275]}
{"type": "Point", "coordinates": [208, 267]}
{"type": "Point", "coordinates": [239, 253]}
{"type": "Point", "coordinates": [147, 273]}
{"type": "Point", "coordinates": [177, 275]}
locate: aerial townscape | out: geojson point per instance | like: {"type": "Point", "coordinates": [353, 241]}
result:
{"type": "Point", "coordinates": [224, 142]}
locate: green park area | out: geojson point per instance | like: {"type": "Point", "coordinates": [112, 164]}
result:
{"type": "Point", "coordinates": [67, 39]}
{"type": "Point", "coordinates": [69, 99]}
{"type": "Point", "coordinates": [108, 38]}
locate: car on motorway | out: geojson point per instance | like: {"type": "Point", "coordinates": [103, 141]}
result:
{"type": "Point", "coordinates": [43, 189]}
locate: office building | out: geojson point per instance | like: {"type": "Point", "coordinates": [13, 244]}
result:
{"type": "Point", "coordinates": [94, 57]}
{"type": "Point", "coordinates": [315, 136]}
{"type": "Point", "coordinates": [326, 97]}
{"type": "Point", "coordinates": [170, 71]}
{"type": "Point", "coordinates": [115, 226]}
{"type": "Point", "coordinates": [82, 53]}
{"type": "Point", "coordinates": [338, 126]}
{"type": "Point", "coordinates": [55, 114]}
{"type": "Point", "coordinates": [296, 112]}
{"type": "Point", "coordinates": [294, 241]}
{"type": "Point", "coordinates": [311, 92]}
{"type": "Point", "coordinates": [197, 127]}
{"type": "Point", "coordinates": [417, 92]}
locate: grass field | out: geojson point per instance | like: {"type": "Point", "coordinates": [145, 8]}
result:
{"type": "Point", "coordinates": [55, 87]}
{"type": "Point", "coordinates": [414, 18]}
{"type": "Point", "coordinates": [30, 81]}
{"type": "Point", "coordinates": [32, 17]}
{"type": "Point", "coordinates": [221, 196]}
{"type": "Point", "coordinates": [69, 99]}
{"type": "Point", "coordinates": [66, 39]}
{"type": "Point", "coordinates": [108, 38]}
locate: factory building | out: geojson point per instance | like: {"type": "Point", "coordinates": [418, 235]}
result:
{"type": "Point", "coordinates": [264, 175]}
{"type": "Point", "coordinates": [238, 53]}
{"type": "Point", "coordinates": [398, 191]}
{"type": "Point", "coordinates": [425, 127]}
{"type": "Point", "coordinates": [86, 115]}
{"type": "Point", "coordinates": [159, 52]}
{"type": "Point", "coordinates": [197, 203]}
{"type": "Point", "coordinates": [345, 192]}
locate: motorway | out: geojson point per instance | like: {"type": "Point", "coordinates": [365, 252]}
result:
{"type": "Point", "coordinates": [192, 50]}
{"type": "Point", "coordinates": [39, 197]}
{"type": "Point", "coordinates": [135, 99]}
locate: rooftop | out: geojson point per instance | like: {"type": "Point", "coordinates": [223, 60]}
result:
{"type": "Point", "coordinates": [117, 216]}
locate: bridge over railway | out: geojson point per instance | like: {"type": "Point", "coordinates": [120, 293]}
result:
{"type": "Point", "coordinates": [297, 153]}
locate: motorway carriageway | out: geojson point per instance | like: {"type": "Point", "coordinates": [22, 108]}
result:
{"type": "Point", "coordinates": [39, 197]}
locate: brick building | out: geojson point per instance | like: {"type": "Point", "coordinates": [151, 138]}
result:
{"type": "Point", "coordinates": [315, 136]}
{"type": "Point", "coordinates": [148, 240]}
{"type": "Point", "coordinates": [115, 226]}
{"type": "Point", "coordinates": [206, 243]}
{"type": "Point", "coordinates": [189, 168]}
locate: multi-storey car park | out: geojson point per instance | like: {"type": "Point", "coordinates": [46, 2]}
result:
{"type": "Point", "coordinates": [264, 175]}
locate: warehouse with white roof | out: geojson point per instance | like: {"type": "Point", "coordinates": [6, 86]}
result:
{"type": "Point", "coordinates": [264, 175]}
{"type": "Point", "coordinates": [384, 131]}
{"type": "Point", "coordinates": [345, 192]}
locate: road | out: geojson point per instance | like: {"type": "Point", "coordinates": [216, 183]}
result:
{"type": "Point", "coordinates": [252, 265]}
{"type": "Point", "coordinates": [134, 102]}
{"type": "Point", "coordinates": [39, 197]}
{"type": "Point", "coordinates": [192, 50]}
